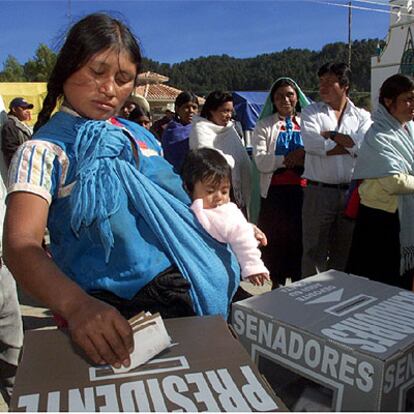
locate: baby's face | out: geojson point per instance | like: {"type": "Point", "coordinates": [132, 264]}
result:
{"type": "Point", "coordinates": [213, 194]}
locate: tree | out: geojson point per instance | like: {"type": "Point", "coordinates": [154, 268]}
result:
{"type": "Point", "coordinates": [12, 71]}
{"type": "Point", "coordinates": [39, 68]}
{"type": "Point", "coordinates": [204, 74]}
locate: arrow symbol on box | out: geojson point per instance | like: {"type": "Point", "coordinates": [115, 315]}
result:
{"type": "Point", "coordinates": [334, 296]}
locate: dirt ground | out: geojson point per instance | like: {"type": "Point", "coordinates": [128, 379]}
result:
{"type": "Point", "coordinates": [37, 317]}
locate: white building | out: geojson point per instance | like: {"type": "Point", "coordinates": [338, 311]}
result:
{"type": "Point", "coordinates": [397, 55]}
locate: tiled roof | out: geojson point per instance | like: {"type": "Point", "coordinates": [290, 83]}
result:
{"type": "Point", "coordinates": [152, 87]}
{"type": "Point", "coordinates": [158, 92]}
{"type": "Point", "coordinates": [151, 77]}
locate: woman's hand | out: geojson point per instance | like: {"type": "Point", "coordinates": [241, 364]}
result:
{"type": "Point", "coordinates": [260, 236]}
{"type": "Point", "coordinates": [102, 332]}
{"type": "Point", "coordinates": [295, 158]}
{"type": "Point", "coordinates": [99, 329]}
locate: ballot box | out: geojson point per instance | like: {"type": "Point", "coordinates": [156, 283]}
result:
{"type": "Point", "coordinates": [205, 369]}
{"type": "Point", "coordinates": [333, 342]}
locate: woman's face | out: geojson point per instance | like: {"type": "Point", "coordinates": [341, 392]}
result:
{"type": "Point", "coordinates": [222, 115]}
{"type": "Point", "coordinates": [402, 108]}
{"type": "Point", "coordinates": [186, 111]}
{"type": "Point", "coordinates": [127, 108]}
{"type": "Point", "coordinates": [144, 121]}
{"type": "Point", "coordinates": [99, 88]}
{"type": "Point", "coordinates": [285, 100]}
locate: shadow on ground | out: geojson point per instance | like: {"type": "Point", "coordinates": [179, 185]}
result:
{"type": "Point", "coordinates": [34, 315]}
{"type": "Point", "coordinates": [33, 322]}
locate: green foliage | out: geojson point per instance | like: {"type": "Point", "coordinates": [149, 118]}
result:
{"type": "Point", "coordinates": [39, 68]}
{"type": "Point", "coordinates": [204, 74]}
{"type": "Point", "coordinates": [13, 71]}
{"type": "Point", "coordinates": [34, 70]}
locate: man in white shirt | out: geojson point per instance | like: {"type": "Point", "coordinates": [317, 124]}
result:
{"type": "Point", "coordinates": [332, 132]}
{"type": "Point", "coordinates": [11, 327]}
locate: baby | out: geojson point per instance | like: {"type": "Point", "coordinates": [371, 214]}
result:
{"type": "Point", "coordinates": [207, 177]}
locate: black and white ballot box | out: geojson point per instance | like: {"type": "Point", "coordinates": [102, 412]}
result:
{"type": "Point", "coordinates": [333, 342]}
{"type": "Point", "coordinates": [206, 369]}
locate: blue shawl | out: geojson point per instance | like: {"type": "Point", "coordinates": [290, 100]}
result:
{"type": "Point", "coordinates": [175, 143]}
{"type": "Point", "coordinates": [105, 166]}
{"type": "Point", "coordinates": [388, 149]}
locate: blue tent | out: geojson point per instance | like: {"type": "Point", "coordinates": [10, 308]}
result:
{"type": "Point", "coordinates": [248, 106]}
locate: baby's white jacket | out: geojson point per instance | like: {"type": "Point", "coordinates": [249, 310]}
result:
{"type": "Point", "coordinates": [227, 224]}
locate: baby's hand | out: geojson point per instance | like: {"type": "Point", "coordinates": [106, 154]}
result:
{"type": "Point", "coordinates": [259, 279]}
{"type": "Point", "coordinates": [260, 236]}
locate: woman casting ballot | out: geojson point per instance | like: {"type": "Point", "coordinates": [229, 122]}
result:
{"type": "Point", "coordinates": [123, 238]}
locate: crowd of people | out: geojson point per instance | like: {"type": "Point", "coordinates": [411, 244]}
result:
{"type": "Point", "coordinates": [158, 219]}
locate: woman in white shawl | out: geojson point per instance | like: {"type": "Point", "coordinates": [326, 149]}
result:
{"type": "Point", "coordinates": [279, 156]}
{"type": "Point", "coordinates": [215, 129]}
{"type": "Point", "coordinates": [383, 241]}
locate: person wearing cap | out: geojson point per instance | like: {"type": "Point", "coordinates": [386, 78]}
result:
{"type": "Point", "coordinates": [15, 131]}
{"type": "Point", "coordinates": [11, 324]}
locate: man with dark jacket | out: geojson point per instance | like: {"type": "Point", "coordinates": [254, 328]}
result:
{"type": "Point", "coordinates": [11, 325]}
{"type": "Point", "coordinates": [16, 131]}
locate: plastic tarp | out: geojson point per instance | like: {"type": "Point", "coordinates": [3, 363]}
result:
{"type": "Point", "coordinates": [248, 106]}
{"type": "Point", "coordinates": [33, 92]}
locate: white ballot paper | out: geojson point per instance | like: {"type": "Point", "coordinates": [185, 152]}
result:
{"type": "Point", "coordinates": [150, 338]}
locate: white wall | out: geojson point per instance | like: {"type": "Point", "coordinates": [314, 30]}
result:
{"type": "Point", "coordinates": [389, 61]}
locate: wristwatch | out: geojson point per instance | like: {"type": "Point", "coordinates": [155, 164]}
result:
{"type": "Point", "coordinates": [332, 135]}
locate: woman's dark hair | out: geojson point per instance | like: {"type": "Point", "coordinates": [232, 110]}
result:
{"type": "Point", "coordinates": [279, 84]}
{"type": "Point", "coordinates": [137, 113]}
{"type": "Point", "coordinates": [183, 98]}
{"type": "Point", "coordinates": [213, 101]}
{"type": "Point", "coordinates": [90, 35]}
{"type": "Point", "coordinates": [341, 70]}
{"type": "Point", "coordinates": [394, 86]}
{"type": "Point", "coordinates": [204, 164]}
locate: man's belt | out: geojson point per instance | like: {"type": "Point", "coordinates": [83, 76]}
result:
{"type": "Point", "coordinates": [343, 186]}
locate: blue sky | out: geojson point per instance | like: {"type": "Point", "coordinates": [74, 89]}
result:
{"type": "Point", "coordinates": [173, 31]}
